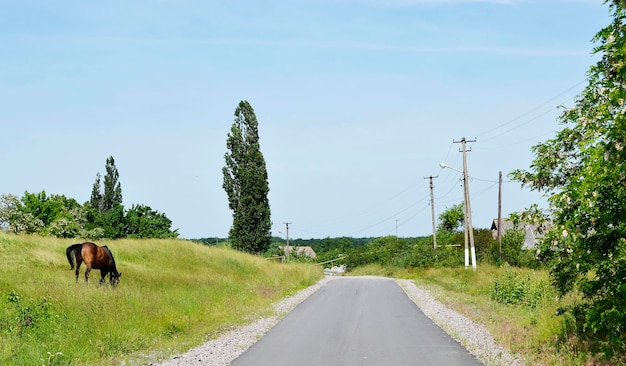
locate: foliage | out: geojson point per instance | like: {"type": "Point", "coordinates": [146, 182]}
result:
{"type": "Point", "coordinates": [210, 240]}
{"type": "Point", "coordinates": [246, 184]}
{"type": "Point", "coordinates": [512, 252]}
{"type": "Point", "coordinates": [451, 219]}
{"type": "Point", "coordinates": [391, 251]}
{"type": "Point", "coordinates": [483, 242]}
{"type": "Point", "coordinates": [39, 213]}
{"type": "Point", "coordinates": [112, 222]}
{"type": "Point", "coordinates": [107, 211]}
{"type": "Point", "coordinates": [112, 195]}
{"type": "Point", "coordinates": [26, 317]}
{"type": "Point", "coordinates": [14, 219]}
{"type": "Point", "coordinates": [102, 217]}
{"type": "Point", "coordinates": [513, 288]}
{"type": "Point", "coordinates": [583, 169]}
{"type": "Point", "coordinates": [96, 196]}
{"type": "Point", "coordinates": [144, 222]}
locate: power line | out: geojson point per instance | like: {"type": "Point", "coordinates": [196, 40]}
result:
{"type": "Point", "coordinates": [532, 110]}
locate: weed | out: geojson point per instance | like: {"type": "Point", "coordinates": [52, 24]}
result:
{"type": "Point", "coordinates": [512, 288]}
{"type": "Point", "coordinates": [26, 317]}
{"type": "Point", "coordinates": [53, 359]}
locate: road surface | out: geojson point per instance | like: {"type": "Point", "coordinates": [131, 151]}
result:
{"type": "Point", "coordinates": [356, 321]}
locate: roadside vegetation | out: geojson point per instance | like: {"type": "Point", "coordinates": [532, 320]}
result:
{"type": "Point", "coordinates": [173, 295]}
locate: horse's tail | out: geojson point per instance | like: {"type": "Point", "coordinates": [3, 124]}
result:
{"type": "Point", "coordinates": [72, 252]}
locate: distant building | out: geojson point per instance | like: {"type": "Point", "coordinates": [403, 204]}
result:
{"type": "Point", "coordinates": [531, 233]}
{"type": "Point", "coordinates": [307, 251]}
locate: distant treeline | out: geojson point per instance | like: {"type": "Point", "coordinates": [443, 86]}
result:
{"type": "Point", "coordinates": [418, 252]}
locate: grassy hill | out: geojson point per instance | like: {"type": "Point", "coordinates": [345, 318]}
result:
{"type": "Point", "coordinates": [173, 294]}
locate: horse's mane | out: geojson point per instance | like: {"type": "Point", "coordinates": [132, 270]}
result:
{"type": "Point", "coordinates": [111, 254]}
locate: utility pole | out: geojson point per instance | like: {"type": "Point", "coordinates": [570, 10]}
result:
{"type": "Point", "coordinates": [432, 209]}
{"type": "Point", "coordinates": [500, 213]}
{"type": "Point", "coordinates": [287, 242]}
{"type": "Point", "coordinates": [469, 230]}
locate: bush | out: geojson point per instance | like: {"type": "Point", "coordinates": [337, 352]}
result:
{"type": "Point", "coordinates": [512, 288]}
{"type": "Point", "coordinates": [512, 252]}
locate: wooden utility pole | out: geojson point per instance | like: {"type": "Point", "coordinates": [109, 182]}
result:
{"type": "Point", "coordinates": [500, 214]}
{"type": "Point", "coordinates": [432, 209]}
{"type": "Point", "coordinates": [287, 241]}
{"type": "Point", "coordinates": [469, 230]}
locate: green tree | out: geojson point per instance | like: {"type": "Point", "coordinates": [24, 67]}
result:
{"type": "Point", "coordinates": [107, 211]}
{"type": "Point", "coordinates": [246, 184]}
{"type": "Point", "coordinates": [112, 222]}
{"type": "Point", "coordinates": [40, 213]}
{"type": "Point", "coordinates": [112, 195]}
{"type": "Point", "coordinates": [96, 196]}
{"type": "Point", "coordinates": [451, 219]}
{"type": "Point", "coordinates": [583, 170]}
{"type": "Point", "coordinates": [15, 219]}
{"type": "Point", "coordinates": [9, 204]}
{"type": "Point", "coordinates": [144, 222]}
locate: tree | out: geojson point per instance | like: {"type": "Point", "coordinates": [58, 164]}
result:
{"type": "Point", "coordinates": [144, 222]}
{"type": "Point", "coordinates": [246, 184]}
{"type": "Point", "coordinates": [451, 219]}
{"type": "Point", "coordinates": [14, 219]}
{"type": "Point", "coordinates": [583, 170]}
{"type": "Point", "coordinates": [54, 215]}
{"type": "Point", "coordinates": [112, 195]}
{"type": "Point", "coordinates": [96, 196]}
{"type": "Point", "coordinates": [9, 205]}
{"type": "Point", "coordinates": [107, 210]}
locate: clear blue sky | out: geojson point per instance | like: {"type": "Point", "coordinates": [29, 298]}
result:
{"type": "Point", "coordinates": [357, 101]}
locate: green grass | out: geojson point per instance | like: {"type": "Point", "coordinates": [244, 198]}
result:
{"type": "Point", "coordinates": [173, 295]}
{"type": "Point", "coordinates": [529, 327]}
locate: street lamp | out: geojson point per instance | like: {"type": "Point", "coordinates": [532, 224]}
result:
{"type": "Point", "coordinates": [467, 217]}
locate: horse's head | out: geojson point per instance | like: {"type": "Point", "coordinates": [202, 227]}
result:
{"type": "Point", "coordinates": [114, 279]}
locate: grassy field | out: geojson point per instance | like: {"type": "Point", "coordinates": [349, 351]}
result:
{"type": "Point", "coordinates": [173, 294]}
{"type": "Point", "coordinates": [518, 306]}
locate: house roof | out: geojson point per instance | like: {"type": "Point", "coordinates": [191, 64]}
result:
{"type": "Point", "coordinates": [308, 251]}
{"type": "Point", "coordinates": [531, 233]}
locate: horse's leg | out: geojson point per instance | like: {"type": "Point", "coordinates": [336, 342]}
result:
{"type": "Point", "coordinates": [103, 274]}
{"type": "Point", "coordinates": [87, 273]}
{"type": "Point", "coordinates": [78, 263]}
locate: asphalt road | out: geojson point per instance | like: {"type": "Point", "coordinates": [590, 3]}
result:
{"type": "Point", "coordinates": [356, 321]}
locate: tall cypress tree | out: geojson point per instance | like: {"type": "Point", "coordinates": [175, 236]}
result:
{"type": "Point", "coordinates": [108, 212]}
{"type": "Point", "coordinates": [246, 184]}
{"type": "Point", "coordinates": [96, 196]}
{"type": "Point", "coordinates": [112, 188]}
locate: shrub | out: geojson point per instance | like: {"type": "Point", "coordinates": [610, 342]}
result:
{"type": "Point", "coordinates": [511, 288]}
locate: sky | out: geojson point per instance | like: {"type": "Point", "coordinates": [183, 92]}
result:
{"type": "Point", "coordinates": [358, 101]}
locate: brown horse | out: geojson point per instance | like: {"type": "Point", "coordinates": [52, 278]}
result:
{"type": "Point", "coordinates": [95, 257]}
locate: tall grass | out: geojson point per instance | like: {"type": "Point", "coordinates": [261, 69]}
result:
{"type": "Point", "coordinates": [173, 294]}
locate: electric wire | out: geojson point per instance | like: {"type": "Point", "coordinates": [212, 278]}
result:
{"type": "Point", "coordinates": [532, 110]}
{"type": "Point", "coordinates": [487, 133]}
